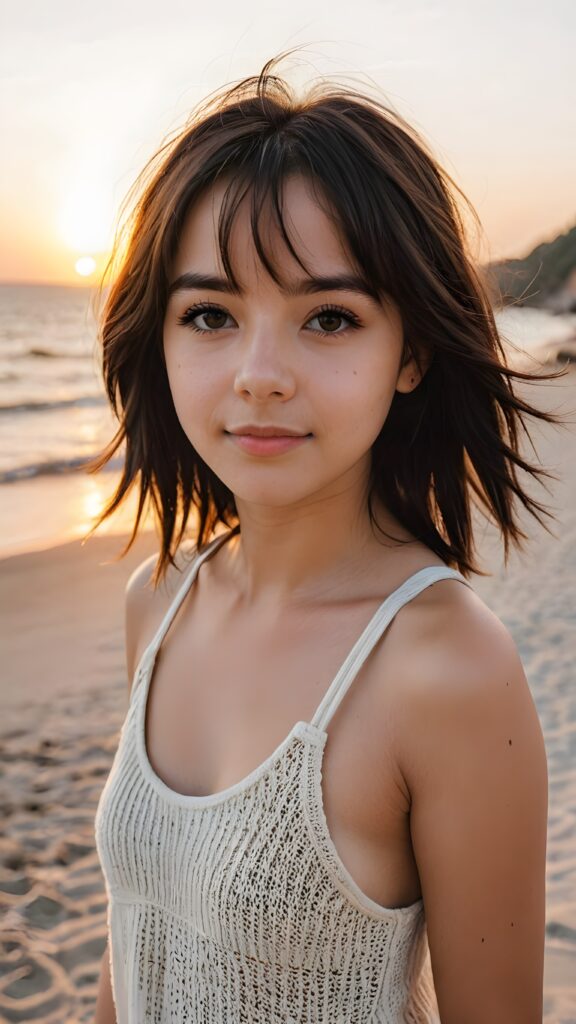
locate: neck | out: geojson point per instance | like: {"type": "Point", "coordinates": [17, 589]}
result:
{"type": "Point", "coordinates": [287, 558]}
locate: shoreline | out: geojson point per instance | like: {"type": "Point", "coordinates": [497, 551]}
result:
{"type": "Point", "coordinates": [71, 501]}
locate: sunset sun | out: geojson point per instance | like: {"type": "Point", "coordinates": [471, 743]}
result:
{"type": "Point", "coordinates": [85, 266]}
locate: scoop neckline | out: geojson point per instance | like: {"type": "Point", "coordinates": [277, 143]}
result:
{"type": "Point", "coordinates": [300, 729]}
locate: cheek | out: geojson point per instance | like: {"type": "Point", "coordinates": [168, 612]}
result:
{"type": "Point", "coordinates": [180, 384]}
{"type": "Point", "coordinates": [191, 386]}
{"type": "Point", "coordinates": [360, 397]}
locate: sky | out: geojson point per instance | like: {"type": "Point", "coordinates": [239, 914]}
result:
{"type": "Point", "coordinates": [89, 93]}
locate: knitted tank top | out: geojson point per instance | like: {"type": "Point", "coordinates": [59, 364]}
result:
{"type": "Point", "coordinates": [235, 908]}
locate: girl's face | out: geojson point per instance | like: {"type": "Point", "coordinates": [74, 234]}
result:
{"type": "Point", "coordinates": [287, 360]}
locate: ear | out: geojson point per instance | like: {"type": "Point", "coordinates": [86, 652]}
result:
{"type": "Point", "coordinates": [413, 369]}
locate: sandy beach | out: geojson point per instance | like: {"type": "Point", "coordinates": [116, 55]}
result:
{"type": "Point", "coordinates": [64, 697]}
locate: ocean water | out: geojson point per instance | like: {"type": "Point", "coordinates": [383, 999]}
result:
{"type": "Point", "coordinates": [54, 414]}
{"type": "Point", "coordinates": [53, 411]}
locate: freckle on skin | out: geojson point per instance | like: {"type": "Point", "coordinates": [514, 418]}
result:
{"type": "Point", "coordinates": [509, 743]}
{"type": "Point", "coordinates": [482, 940]}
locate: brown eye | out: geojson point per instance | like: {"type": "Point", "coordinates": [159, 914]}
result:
{"type": "Point", "coordinates": [207, 311]}
{"type": "Point", "coordinates": [214, 314]}
{"type": "Point", "coordinates": [331, 316]}
{"type": "Point", "coordinates": [328, 318]}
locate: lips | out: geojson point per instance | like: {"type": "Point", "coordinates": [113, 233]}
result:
{"type": "Point", "coordinates": [252, 431]}
{"type": "Point", "coordinates": [272, 444]}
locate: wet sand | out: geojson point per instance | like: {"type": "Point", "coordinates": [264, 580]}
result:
{"type": "Point", "coordinates": [64, 696]}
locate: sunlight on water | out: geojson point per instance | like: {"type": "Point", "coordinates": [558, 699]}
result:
{"type": "Point", "coordinates": [48, 510]}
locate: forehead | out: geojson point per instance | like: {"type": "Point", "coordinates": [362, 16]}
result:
{"type": "Point", "coordinates": [313, 234]}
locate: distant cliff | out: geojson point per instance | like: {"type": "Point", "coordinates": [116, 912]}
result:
{"type": "Point", "coordinates": [546, 277]}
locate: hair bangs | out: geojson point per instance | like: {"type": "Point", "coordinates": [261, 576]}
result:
{"type": "Point", "coordinates": [262, 185]}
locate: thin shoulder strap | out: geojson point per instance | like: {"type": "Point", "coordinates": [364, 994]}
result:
{"type": "Point", "coordinates": [153, 647]}
{"type": "Point", "coordinates": [374, 630]}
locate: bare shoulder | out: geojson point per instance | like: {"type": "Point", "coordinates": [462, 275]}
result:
{"type": "Point", "coordinates": [461, 660]}
{"type": "Point", "coordinates": [461, 681]}
{"type": "Point", "coordinates": [146, 604]}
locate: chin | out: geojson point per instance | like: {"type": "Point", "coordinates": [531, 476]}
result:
{"type": "Point", "coordinates": [272, 496]}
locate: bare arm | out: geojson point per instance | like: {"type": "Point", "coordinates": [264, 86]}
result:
{"type": "Point", "coordinates": [105, 1012]}
{"type": "Point", "coordinates": [475, 766]}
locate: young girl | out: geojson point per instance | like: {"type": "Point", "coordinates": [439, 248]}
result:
{"type": "Point", "coordinates": [331, 762]}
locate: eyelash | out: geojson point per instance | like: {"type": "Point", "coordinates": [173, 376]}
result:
{"type": "Point", "coordinates": [207, 307]}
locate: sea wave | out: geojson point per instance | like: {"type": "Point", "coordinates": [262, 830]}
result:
{"type": "Point", "coordinates": [16, 349]}
{"type": "Point", "coordinates": [51, 353]}
{"type": "Point", "coordinates": [53, 467]}
{"type": "Point", "coordinates": [33, 405]}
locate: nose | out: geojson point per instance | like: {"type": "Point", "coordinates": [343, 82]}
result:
{"type": "Point", "coordinates": [264, 367]}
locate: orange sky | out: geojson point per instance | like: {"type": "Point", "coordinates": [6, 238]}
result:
{"type": "Point", "coordinates": [92, 95]}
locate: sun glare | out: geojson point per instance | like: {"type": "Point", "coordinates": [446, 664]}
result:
{"type": "Point", "coordinates": [85, 266]}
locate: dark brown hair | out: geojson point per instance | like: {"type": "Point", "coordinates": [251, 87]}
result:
{"type": "Point", "coordinates": [452, 438]}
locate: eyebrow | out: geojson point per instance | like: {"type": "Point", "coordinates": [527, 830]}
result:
{"type": "Point", "coordinates": [307, 286]}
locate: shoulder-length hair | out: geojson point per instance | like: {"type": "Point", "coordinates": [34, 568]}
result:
{"type": "Point", "coordinates": [452, 439]}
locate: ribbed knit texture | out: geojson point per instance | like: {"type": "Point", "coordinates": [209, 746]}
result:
{"type": "Point", "coordinates": [236, 907]}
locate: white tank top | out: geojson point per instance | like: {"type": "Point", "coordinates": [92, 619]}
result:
{"type": "Point", "coordinates": [236, 907]}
